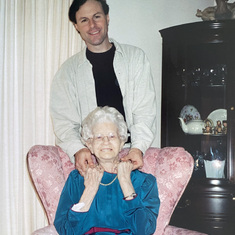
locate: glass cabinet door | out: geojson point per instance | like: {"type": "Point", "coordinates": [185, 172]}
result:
{"type": "Point", "coordinates": [198, 95]}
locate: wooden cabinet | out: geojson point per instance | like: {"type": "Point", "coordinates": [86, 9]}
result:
{"type": "Point", "coordinates": [198, 74]}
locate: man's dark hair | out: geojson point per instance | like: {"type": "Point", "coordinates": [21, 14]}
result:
{"type": "Point", "coordinates": [78, 3]}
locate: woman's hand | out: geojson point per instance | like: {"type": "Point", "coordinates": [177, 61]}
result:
{"type": "Point", "coordinates": [92, 180]}
{"type": "Point", "coordinates": [124, 170]}
{"type": "Point", "coordinates": [92, 177]}
{"type": "Point", "coordinates": [124, 177]}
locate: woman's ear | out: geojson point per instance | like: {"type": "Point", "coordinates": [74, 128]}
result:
{"type": "Point", "coordinates": [121, 145]}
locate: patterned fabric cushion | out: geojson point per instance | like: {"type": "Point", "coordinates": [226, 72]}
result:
{"type": "Point", "coordinates": [171, 179]}
{"type": "Point", "coordinates": [172, 230]}
{"type": "Point", "coordinates": [49, 168]}
{"type": "Point", "coordinates": [167, 164]}
{"type": "Point", "coordinates": [46, 172]}
{"type": "Point", "coordinates": [67, 165]}
{"type": "Point", "coordinates": [48, 230]}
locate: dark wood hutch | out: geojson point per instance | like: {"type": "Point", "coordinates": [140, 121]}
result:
{"type": "Point", "coordinates": [198, 70]}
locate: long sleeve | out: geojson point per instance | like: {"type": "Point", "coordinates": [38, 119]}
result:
{"type": "Point", "coordinates": [142, 211]}
{"type": "Point", "coordinates": [67, 221]}
{"type": "Point", "coordinates": [144, 106]}
{"type": "Point", "coordinates": [134, 75]}
{"type": "Point", "coordinates": [72, 97]}
{"type": "Point", "coordinates": [64, 112]}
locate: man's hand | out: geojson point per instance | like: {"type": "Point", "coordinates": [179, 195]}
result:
{"type": "Point", "coordinates": [136, 157]}
{"type": "Point", "coordinates": [83, 160]}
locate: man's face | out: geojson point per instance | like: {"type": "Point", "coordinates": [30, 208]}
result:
{"type": "Point", "coordinates": [92, 25]}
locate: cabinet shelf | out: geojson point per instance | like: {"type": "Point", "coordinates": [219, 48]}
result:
{"type": "Point", "coordinates": [209, 135]}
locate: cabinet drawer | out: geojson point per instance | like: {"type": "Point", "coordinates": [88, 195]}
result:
{"type": "Point", "coordinates": [212, 213]}
{"type": "Point", "coordinates": [216, 205]}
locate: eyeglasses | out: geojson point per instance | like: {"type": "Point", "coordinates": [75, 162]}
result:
{"type": "Point", "coordinates": [98, 138]}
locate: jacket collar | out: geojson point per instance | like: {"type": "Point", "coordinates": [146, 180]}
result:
{"type": "Point", "coordinates": [82, 54]}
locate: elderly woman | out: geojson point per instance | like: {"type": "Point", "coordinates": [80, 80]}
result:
{"type": "Point", "coordinates": [110, 198]}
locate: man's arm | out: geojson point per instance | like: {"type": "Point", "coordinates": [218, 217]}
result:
{"type": "Point", "coordinates": [64, 108]}
{"type": "Point", "coordinates": [144, 107]}
{"type": "Point", "coordinates": [82, 160]}
{"type": "Point", "coordinates": [65, 113]}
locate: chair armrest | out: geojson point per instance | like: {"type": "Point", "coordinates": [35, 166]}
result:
{"type": "Point", "coordinates": [173, 168]}
{"type": "Point", "coordinates": [46, 172]}
{"type": "Point", "coordinates": [48, 230]}
{"type": "Point", "coordinates": [66, 163]}
{"type": "Point", "coordinates": [172, 230]}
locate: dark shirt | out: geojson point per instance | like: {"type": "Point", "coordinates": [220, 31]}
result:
{"type": "Point", "coordinates": [106, 84]}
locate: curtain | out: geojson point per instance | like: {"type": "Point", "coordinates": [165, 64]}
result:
{"type": "Point", "coordinates": [36, 37]}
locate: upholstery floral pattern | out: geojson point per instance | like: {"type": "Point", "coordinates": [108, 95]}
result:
{"type": "Point", "coordinates": [46, 172]}
{"type": "Point", "coordinates": [66, 164]}
{"type": "Point", "coordinates": [171, 230]}
{"type": "Point", "coordinates": [167, 164]}
{"type": "Point", "coordinates": [49, 168]}
{"type": "Point", "coordinates": [48, 230]}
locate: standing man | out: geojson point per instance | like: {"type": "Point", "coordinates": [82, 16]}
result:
{"type": "Point", "coordinates": [104, 73]}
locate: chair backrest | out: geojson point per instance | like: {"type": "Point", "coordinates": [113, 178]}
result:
{"type": "Point", "coordinates": [49, 168]}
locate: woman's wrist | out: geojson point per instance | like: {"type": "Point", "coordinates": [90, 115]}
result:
{"type": "Point", "coordinates": [124, 179]}
{"type": "Point", "coordinates": [87, 198]}
{"type": "Point", "coordinates": [130, 197]}
{"type": "Point", "coordinates": [128, 190]}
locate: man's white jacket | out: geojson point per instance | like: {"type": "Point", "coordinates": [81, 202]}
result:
{"type": "Point", "coordinates": [73, 97]}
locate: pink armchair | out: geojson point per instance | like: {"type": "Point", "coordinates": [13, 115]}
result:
{"type": "Point", "coordinates": [49, 168]}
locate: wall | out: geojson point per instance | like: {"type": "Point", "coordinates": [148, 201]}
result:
{"type": "Point", "coordinates": [138, 22]}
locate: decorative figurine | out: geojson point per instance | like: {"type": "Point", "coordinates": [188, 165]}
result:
{"type": "Point", "coordinates": [218, 128]}
{"type": "Point", "coordinates": [208, 126]}
{"type": "Point", "coordinates": [222, 10]}
{"type": "Point", "coordinates": [224, 130]}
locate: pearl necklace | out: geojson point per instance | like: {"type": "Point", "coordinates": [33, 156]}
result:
{"type": "Point", "coordinates": [109, 183]}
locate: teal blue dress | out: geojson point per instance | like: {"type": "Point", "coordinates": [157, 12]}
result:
{"type": "Point", "coordinates": [109, 213]}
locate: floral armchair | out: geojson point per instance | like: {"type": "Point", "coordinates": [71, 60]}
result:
{"type": "Point", "coordinates": [49, 168]}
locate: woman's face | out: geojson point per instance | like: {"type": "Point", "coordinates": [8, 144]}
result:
{"type": "Point", "coordinates": [106, 143]}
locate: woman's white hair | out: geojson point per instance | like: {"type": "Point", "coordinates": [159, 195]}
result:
{"type": "Point", "coordinates": [100, 115]}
